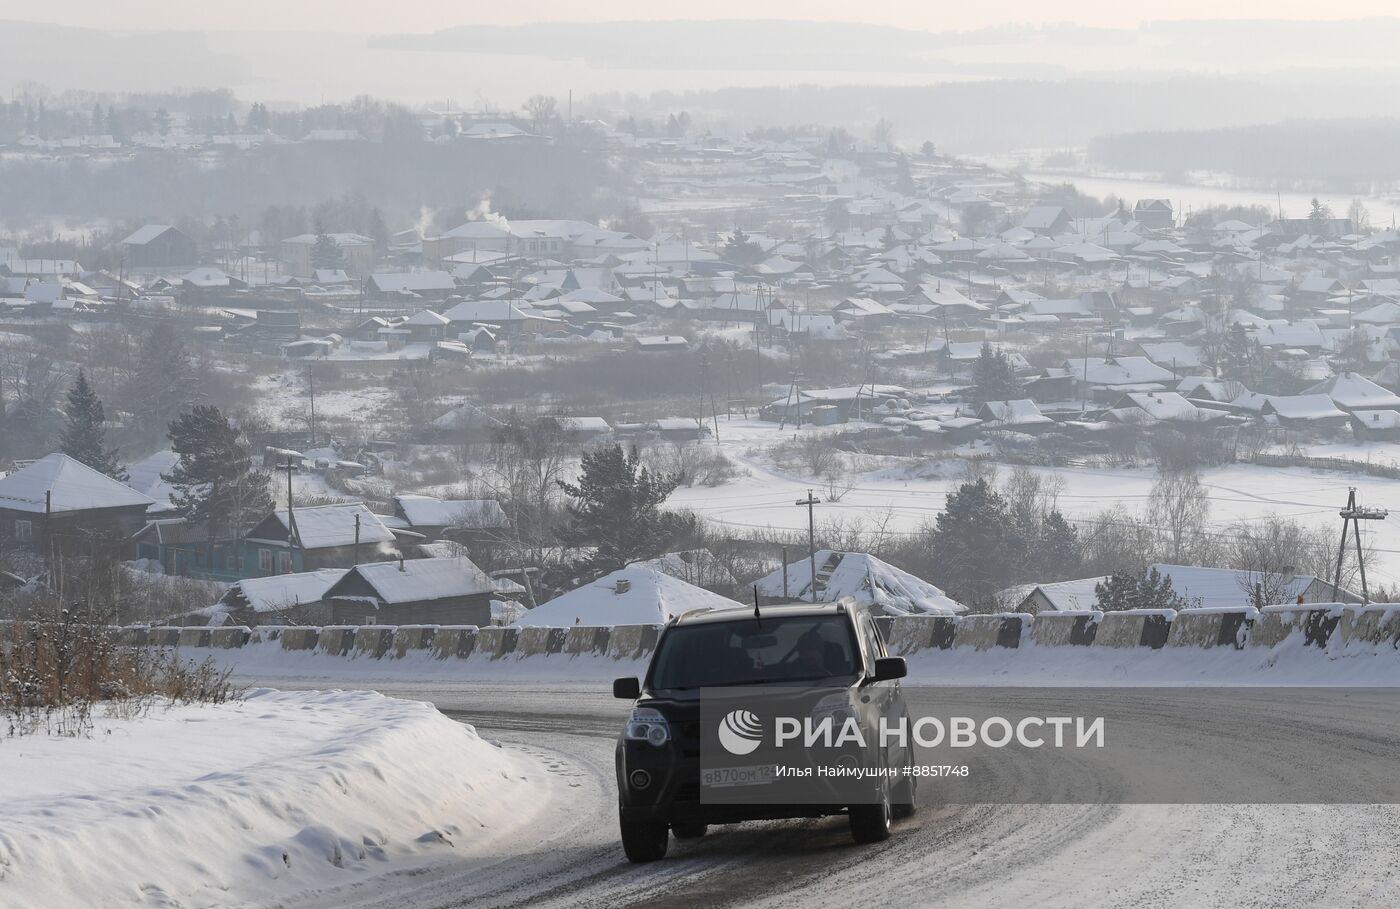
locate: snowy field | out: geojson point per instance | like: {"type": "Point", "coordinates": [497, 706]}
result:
{"type": "Point", "coordinates": [900, 498]}
{"type": "Point", "coordinates": [273, 798]}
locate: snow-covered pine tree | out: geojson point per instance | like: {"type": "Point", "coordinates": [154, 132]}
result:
{"type": "Point", "coordinates": [993, 376]}
{"type": "Point", "coordinates": [84, 438]}
{"type": "Point", "coordinates": [217, 485]}
{"type": "Point", "coordinates": [615, 508]}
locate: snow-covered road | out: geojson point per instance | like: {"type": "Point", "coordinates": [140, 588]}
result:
{"type": "Point", "coordinates": [973, 856]}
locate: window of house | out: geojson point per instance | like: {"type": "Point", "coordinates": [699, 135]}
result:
{"type": "Point", "coordinates": [265, 560]}
{"type": "Point", "coordinates": [284, 563]}
{"type": "Point", "coordinates": [24, 531]}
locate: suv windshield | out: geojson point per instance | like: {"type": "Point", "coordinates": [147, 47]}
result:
{"type": "Point", "coordinates": [752, 652]}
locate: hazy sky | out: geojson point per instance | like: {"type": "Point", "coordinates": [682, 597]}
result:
{"type": "Point", "coordinates": [428, 15]}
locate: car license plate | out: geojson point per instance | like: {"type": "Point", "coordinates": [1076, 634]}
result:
{"type": "Point", "coordinates": [718, 777]}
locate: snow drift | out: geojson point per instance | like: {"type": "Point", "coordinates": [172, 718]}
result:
{"type": "Point", "coordinates": [281, 794]}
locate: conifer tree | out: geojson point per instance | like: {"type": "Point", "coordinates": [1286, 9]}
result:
{"type": "Point", "coordinates": [615, 508]}
{"type": "Point", "coordinates": [84, 437]}
{"type": "Point", "coordinates": [974, 543]}
{"type": "Point", "coordinates": [217, 485]}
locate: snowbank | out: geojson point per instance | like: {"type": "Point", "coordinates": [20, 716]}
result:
{"type": "Point", "coordinates": [282, 794]}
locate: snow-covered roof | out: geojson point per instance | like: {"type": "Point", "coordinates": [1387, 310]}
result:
{"type": "Point", "coordinates": [71, 485]}
{"type": "Point", "coordinates": [1302, 407]}
{"type": "Point", "coordinates": [1215, 587]}
{"type": "Point", "coordinates": [414, 580]}
{"type": "Point", "coordinates": [326, 526]}
{"type": "Point", "coordinates": [1351, 391]}
{"type": "Point", "coordinates": [1023, 412]}
{"type": "Point", "coordinates": [635, 595]}
{"type": "Point", "coordinates": [428, 511]}
{"type": "Point", "coordinates": [1159, 405]}
{"type": "Point", "coordinates": [871, 581]}
{"type": "Point", "coordinates": [281, 591]}
{"type": "Point", "coordinates": [143, 235]}
{"type": "Point", "coordinates": [1118, 371]}
{"type": "Point", "coordinates": [412, 281]}
{"type": "Point", "coordinates": [1066, 595]}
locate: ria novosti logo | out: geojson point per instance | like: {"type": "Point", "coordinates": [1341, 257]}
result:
{"type": "Point", "coordinates": [740, 732]}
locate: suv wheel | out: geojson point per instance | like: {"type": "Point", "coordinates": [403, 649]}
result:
{"type": "Point", "coordinates": [689, 831]}
{"type": "Point", "coordinates": [871, 823]}
{"type": "Point", "coordinates": [644, 841]}
{"type": "Point", "coordinates": [904, 797]}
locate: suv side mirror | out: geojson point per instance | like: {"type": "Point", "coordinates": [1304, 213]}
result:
{"type": "Point", "coordinates": [887, 669]}
{"type": "Point", "coordinates": [630, 688]}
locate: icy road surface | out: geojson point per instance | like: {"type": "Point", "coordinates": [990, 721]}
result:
{"type": "Point", "coordinates": [961, 856]}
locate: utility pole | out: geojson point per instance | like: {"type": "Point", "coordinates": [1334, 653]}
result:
{"type": "Point", "coordinates": [357, 538]}
{"type": "Point", "coordinates": [1353, 515]}
{"type": "Point", "coordinates": [311, 383]}
{"type": "Point", "coordinates": [811, 502]}
{"type": "Point", "coordinates": [293, 537]}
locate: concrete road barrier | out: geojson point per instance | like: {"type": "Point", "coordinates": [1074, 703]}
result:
{"type": "Point", "coordinates": [1222, 627]}
{"type": "Point", "coordinates": [336, 640]}
{"type": "Point", "coordinates": [268, 633]}
{"type": "Point", "coordinates": [581, 639]}
{"type": "Point", "coordinates": [412, 637]}
{"type": "Point", "coordinates": [300, 638]}
{"type": "Point", "coordinates": [1000, 629]}
{"type": "Point", "coordinates": [532, 640]}
{"type": "Point", "coordinates": [1068, 628]}
{"type": "Point", "coordinates": [230, 636]}
{"type": "Point", "coordinates": [454, 642]}
{"type": "Point", "coordinates": [912, 633]}
{"type": "Point", "coordinates": [629, 642]}
{"type": "Point", "coordinates": [1135, 628]}
{"type": "Point", "coordinates": [135, 636]}
{"type": "Point", "coordinates": [626, 642]}
{"type": "Point", "coordinates": [1315, 622]}
{"type": "Point", "coordinates": [374, 640]}
{"type": "Point", "coordinates": [1371, 626]}
{"type": "Point", "coordinates": [193, 637]}
{"type": "Point", "coordinates": [495, 642]}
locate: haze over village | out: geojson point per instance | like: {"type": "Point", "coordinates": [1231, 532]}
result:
{"type": "Point", "coordinates": [349, 341]}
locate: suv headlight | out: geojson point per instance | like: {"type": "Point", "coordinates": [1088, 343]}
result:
{"type": "Point", "coordinates": [837, 706]}
{"type": "Point", "coordinates": [648, 725]}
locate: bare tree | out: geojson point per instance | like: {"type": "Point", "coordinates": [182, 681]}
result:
{"type": "Point", "coordinates": [1178, 507]}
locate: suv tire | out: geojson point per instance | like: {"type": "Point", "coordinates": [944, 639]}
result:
{"type": "Point", "coordinates": [644, 841]}
{"type": "Point", "coordinates": [689, 831]}
{"type": "Point", "coordinates": [871, 823]}
{"type": "Point", "coordinates": [903, 799]}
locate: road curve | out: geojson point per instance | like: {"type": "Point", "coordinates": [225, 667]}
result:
{"type": "Point", "coordinates": [962, 856]}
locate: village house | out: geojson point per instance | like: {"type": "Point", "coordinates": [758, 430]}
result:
{"type": "Point", "coordinates": [356, 254]}
{"type": "Point", "coordinates": [433, 591]}
{"type": "Point", "coordinates": [282, 599]}
{"type": "Point", "coordinates": [158, 246]}
{"type": "Point", "coordinates": [465, 521]}
{"type": "Point", "coordinates": [326, 536]}
{"type": "Point", "coordinates": [59, 506]}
